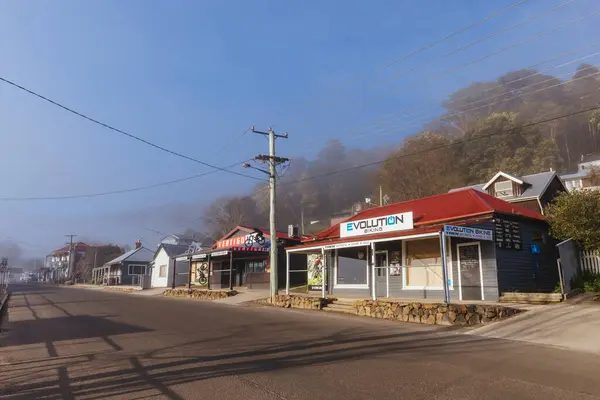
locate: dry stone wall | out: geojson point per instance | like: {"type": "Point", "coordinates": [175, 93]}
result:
{"type": "Point", "coordinates": [434, 314]}
{"type": "Point", "coordinates": [202, 294]}
{"type": "Point", "coordinates": [305, 302]}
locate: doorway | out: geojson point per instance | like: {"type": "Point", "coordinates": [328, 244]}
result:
{"type": "Point", "coordinates": [381, 273]}
{"type": "Point", "coordinates": [470, 272]}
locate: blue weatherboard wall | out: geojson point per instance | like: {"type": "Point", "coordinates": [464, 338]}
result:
{"type": "Point", "coordinates": [523, 271]}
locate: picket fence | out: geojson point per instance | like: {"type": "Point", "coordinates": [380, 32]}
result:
{"type": "Point", "coordinates": [590, 261]}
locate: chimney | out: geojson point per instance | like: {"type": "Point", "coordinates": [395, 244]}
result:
{"type": "Point", "coordinates": [292, 231]}
{"type": "Point", "coordinates": [137, 244]}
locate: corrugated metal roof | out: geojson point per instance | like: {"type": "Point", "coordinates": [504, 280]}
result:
{"type": "Point", "coordinates": [141, 254]}
{"type": "Point", "coordinates": [435, 210]}
{"type": "Point", "coordinates": [174, 249]}
{"type": "Point", "coordinates": [536, 185]}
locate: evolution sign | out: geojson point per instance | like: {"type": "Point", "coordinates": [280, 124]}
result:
{"type": "Point", "coordinates": [383, 224]}
{"type": "Point", "coordinates": [468, 233]}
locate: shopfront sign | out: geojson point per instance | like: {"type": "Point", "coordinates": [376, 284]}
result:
{"type": "Point", "coordinates": [236, 241]}
{"type": "Point", "coordinates": [468, 232]}
{"type": "Point", "coordinates": [344, 245]}
{"type": "Point", "coordinates": [219, 253]}
{"type": "Point", "coordinates": [383, 224]}
{"type": "Point", "coordinates": [252, 249]}
{"type": "Point", "coordinates": [199, 256]}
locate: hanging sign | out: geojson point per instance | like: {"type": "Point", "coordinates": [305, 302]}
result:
{"type": "Point", "coordinates": [219, 253]}
{"type": "Point", "coordinates": [383, 224]}
{"type": "Point", "coordinates": [468, 232]}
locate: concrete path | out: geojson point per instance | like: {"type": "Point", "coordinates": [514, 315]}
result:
{"type": "Point", "coordinates": [568, 326]}
{"type": "Point", "coordinates": [244, 297]}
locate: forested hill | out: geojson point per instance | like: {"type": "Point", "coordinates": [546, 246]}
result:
{"type": "Point", "coordinates": [486, 127]}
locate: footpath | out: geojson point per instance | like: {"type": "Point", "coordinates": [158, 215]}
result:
{"type": "Point", "coordinates": [573, 326]}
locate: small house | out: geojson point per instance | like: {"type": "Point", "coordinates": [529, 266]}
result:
{"type": "Point", "coordinates": [127, 269]}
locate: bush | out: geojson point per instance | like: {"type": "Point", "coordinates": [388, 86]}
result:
{"type": "Point", "coordinates": [68, 283]}
{"type": "Point", "coordinates": [587, 282]}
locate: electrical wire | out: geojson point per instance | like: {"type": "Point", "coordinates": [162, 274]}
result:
{"type": "Point", "coordinates": [486, 56]}
{"type": "Point", "coordinates": [416, 123]}
{"type": "Point", "coordinates": [129, 135]}
{"type": "Point", "coordinates": [441, 147]}
{"type": "Point", "coordinates": [363, 132]}
{"type": "Point", "coordinates": [107, 193]}
{"type": "Point", "coordinates": [431, 44]}
{"type": "Point", "coordinates": [477, 41]}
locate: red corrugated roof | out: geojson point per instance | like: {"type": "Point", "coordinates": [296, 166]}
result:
{"type": "Point", "coordinates": [79, 246]}
{"type": "Point", "coordinates": [436, 210]}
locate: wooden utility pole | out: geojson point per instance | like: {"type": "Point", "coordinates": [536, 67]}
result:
{"type": "Point", "coordinates": [273, 161]}
{"type": "Point", "coordinates": [70, 263]}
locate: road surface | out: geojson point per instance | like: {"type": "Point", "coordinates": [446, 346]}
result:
{"type": "Point", "coordinates": [65, 343]}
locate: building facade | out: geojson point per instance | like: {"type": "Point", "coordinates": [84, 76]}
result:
{"type": "Point", "coordinates": [533, 192]}
{"type": "Point", "coordinates": [587, 176]}
{"type": "Point", "coordinates": [477, 245]}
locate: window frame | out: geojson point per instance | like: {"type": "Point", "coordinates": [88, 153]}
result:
{"type": "Point", "coordinates": [337, 285]}
{"type": "Point", "coordinates": [511, 189]}
{"type": "Point", "coordinates": [145, 269]}
{"type": "Point", "coordinates": [160, 268]}
{"type": "Point", "coordinates": [449, 263]}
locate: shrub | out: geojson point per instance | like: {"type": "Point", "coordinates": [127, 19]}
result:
{"type": "Point", "coordinates": [587, 281]}
{"type": "Point", "coordinates": [68, 283]}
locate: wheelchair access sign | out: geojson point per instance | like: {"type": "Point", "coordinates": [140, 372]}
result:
{"type": "Point", "coordinates": [468, 232]}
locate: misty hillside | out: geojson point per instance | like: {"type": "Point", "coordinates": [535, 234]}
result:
{"type": "Point", "coordinates": [481, 131]}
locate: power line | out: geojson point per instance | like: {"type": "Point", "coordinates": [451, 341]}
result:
{"type": "Point", "coordinates": [481, 40]}
{"type": "Point", "coordinates": [434, 43]}
{"type": "Point", "coordinates": [136, 189]}
{"type": "Point", "coordinates": [500, 101]}
{"type": "Point", "coordinates": [416, 122]}
{"type": "Point", "coordinates": [129, 135]}
{"type": "Point", "coordinates": [440, 147]}
{"type": "Point", "coordinates": [486, 56]}
{"type": "Point", "coordinates": [365, 131]}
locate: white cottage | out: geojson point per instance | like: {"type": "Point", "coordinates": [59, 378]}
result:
{"type": "Point", "coordinates": [163, 266]}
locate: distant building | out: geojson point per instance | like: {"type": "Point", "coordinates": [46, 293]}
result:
{"type": "Point", "coordinates": [582, 179]}
{"type": "Point", "coordinates": [58, 263]}
{"type": "Point", "coordinates": [533, 192]}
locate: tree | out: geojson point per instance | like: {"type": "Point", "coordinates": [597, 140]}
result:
{"type": "Point", "coordinates": [414, 172]}
{"type": "Point", "coordinates": [95, 256]}
{"type": "Point", "coordinates": [225, 213]}
{"type": "Point", "coordinates": [575, 216]}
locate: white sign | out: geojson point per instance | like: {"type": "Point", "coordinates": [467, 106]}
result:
{"type": "Point", "coordinates": [342, 245]}
{"type": "Point", "coordinates": [383, 224]}
{"type": "Point", "coordinates": [198, 256]}
{"type": "Point", "coordinates": [468, 232]}
{"type": "Point", "coordinates": [219, 253]}
{"type": "Point", "coordinates": [181, 259]}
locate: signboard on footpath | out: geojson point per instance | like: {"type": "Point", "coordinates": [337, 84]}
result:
{"type": "Point", "coordinates": [467, 232]}
{"type": "Point", "coordinates": [383, 224]}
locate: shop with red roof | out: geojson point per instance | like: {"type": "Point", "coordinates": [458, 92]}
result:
{"type": "Point", "coordinates": [241, 259]}
{"type": "Point", "coordinates": [465, 245]}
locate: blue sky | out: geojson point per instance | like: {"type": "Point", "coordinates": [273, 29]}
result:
{"type": "Point", "coordinates": [192, 76]}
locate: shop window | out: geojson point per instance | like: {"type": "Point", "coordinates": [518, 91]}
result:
{"type": "Point", "coordinates": [352, 266]}
{"type": "Point", "coordinates": [424, 263]}
{"type": "Point", "coordinates": [256, 266]}
{"type": "Point", "coordinates": [162, 271]}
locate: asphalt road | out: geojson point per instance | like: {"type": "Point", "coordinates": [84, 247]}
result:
{"type": "Point", "coordinates": [65, 343]}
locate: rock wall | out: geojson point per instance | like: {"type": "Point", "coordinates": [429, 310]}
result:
{"type": "Point", "coordinates": [202, 294]}
{"type": "Point", "coordinates": [309, 303]}
{"type": "Point", "coordinates": [434, 314]}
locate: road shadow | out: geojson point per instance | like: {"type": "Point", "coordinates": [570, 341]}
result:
{"type": "Point", "coordinates": [150, 370]}
{"type": "Point", "coordinates": [59, 329]}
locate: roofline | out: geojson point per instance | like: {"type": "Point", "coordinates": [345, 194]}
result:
{"type": "Point", "coordinates": [504, 174]}
{"type": "Point", "coordinates": [554, 175]}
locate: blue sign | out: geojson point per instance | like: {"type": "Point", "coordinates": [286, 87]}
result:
{"type": "Point", "coordinates": [535, 249]}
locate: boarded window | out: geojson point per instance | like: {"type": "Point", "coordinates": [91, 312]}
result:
{"type": "Point", "coordinates": [162, 271]}
{"type": "Point", "coordinates": [424, 263]}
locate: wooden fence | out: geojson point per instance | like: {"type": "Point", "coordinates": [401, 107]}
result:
{"type": "Point", "coordinates": [590, 261]}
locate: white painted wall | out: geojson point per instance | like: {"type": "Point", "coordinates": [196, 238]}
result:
{"type": "Point", "coordinates": [161, 259]}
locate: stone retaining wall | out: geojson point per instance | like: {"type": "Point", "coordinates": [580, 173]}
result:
{"type": "Point", "coordinates": [305, 302]}
{"type": "Point", "coordinates": [202, 294]}
{"type": "Point", "coordinates": [434, 314]}
{"type": "Point", "coordinates": [533, 298]}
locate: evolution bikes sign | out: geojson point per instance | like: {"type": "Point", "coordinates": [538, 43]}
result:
{"type": "Point", "coordinates": [383, 224]}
